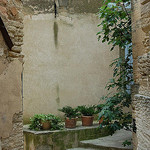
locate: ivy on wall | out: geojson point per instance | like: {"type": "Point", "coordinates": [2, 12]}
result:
{"type": "Point", "coordinates": [115, 29]}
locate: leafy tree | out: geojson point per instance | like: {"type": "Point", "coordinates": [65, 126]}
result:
{"type": "Point", "coordinates": [116, 30]}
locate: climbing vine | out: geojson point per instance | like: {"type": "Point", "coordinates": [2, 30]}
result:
{"type": "Point", "coordinates": [115, 29]}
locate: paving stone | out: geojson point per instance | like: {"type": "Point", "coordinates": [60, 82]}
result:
{"type": "Point", "coordinates": [110, 142]}
{"type": "Point", "coordinates": [81, 148]}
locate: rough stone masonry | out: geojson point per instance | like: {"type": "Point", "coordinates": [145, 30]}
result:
{"type": "Point", "coordinates": [141, 56]}
{"type": "Point", "coordinates": [11, 61]}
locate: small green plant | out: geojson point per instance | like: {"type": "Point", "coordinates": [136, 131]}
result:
{"type": "Point", "coordinates": [126, 143]}
{"type": "Point", "coordinates": [87, 110]}
{"type": "Point", "coordinates": [36, 122]}
{"type": "Point", "coordinates": [56, 123]}
{"type": "Point", "coordinates": [70, 112]}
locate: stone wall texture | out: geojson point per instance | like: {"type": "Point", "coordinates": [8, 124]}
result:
{"type": "Point", "coordinates": [141, 55]}
{"type": "Point", "coordinates": [11, 61]}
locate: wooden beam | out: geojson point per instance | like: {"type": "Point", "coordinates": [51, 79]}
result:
{"type": "Point", "coordinates": [5, 34]}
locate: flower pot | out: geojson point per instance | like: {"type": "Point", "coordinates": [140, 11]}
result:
{"type": "Point", "coordinates": [46, 125]}
{"type": "Point", "coordinates": [87, 120]}
{"type": "Point", "coordinates": [101, 120]}
{"type": "Point", "coordinates": [70, 123]}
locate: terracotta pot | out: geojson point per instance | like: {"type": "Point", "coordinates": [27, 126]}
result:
{"type": "Point", "coordinates": [46, 125]}
{"type": "Point", "coordinates": [87, 120]}
{"type": "Point", "coordinates": [70, 123]}
{"type": "Point", "coordinates": [101, 120]}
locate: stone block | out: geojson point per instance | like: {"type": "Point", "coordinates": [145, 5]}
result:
{"type": "Point", "coordinates": [145, 10]}
{"type": "Point", "coordinates": [146, 24]}
{"type": "Point", "coordinates": [3, 11]}
{"type": "Point", "coordinates": [3, 2]}
{"type": "Point", "coordinates": [14, 11]}
{"type": "Point", "coordinates": [11, 29]}
{"type": "Point", "coordinates": [15, 55]}
{"type": "Point", "coordinates": [18, 44]}
{"type": "Point", "coordinates": [19, 33]}
{"type": "Point", "coordinates": [16, 49]}
{"type": "Point", "coordinates": [144, 1]}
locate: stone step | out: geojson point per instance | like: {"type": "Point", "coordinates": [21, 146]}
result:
{"type": "Point", "coordinates": [81, 148]}
{"type": "Point", "coordinates": [113, 142]}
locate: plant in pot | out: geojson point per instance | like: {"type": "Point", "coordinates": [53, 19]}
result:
{"type": "Point", "coordinates": [40, 121]}
{"type": "Point", "coordinates": [99, 108]}
{"type": "Point", "coordinates": [71, 115]}
{"type": "Point", "coordinates": [87, 114]}
{"type": "Point", "coordinates": [45, 122]}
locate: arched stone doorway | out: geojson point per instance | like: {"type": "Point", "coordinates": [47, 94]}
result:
{"type": "Point", "coordinates": [11, 61]}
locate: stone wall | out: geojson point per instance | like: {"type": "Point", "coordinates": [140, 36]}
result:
{"type": "Point", "coordinates": [11, 60]}
{"type": "Point", "coordinates": [65, 64]}
{"type": "Point", "coordinates": [141, 55]}
{"type": "Point", "coordinates": [137, 36]}
{"type": "Point", "coordinates": [144, 70]}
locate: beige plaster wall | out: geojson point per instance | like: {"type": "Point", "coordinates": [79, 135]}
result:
{"type": "Point", "coordinates": [10, 93]}
{"type": "Point", "coordinates": [64, 64]}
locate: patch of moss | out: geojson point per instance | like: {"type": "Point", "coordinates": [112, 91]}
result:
{"type": "Point", "coordinates": [29, 138]}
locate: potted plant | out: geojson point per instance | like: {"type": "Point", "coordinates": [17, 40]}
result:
{"type": "Point", "coordinates": [71, 115]}
{"type": "Point", "coordinates": [45, 122]}
{"type": "Point", "coordinates": [87, 114]}
{"type": "Point", "coordinates": [99, 108]}
{"type": "Point", "coordinates": [40, 121]}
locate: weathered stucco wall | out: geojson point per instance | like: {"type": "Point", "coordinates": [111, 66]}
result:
{"type": "Point", "coordinates": [11, 125]}
{"type": "Point", "coordinates": [141, 55]}
{"type": "Point", "coordinates": [64, 64]}
{"type": "Point", "coordinates": [70, 6]}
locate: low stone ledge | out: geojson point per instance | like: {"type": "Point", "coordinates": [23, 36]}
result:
{"type": "Point", "coordinates": [114, 142]}
{"type": "Point", "coordinates": [61, 139]}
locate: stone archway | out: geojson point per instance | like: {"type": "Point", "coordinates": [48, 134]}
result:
{"type": "Point", "coordinates": [11, 61]}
